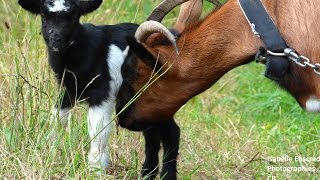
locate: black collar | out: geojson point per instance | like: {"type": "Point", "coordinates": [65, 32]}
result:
{"type": "Point", "coordinates": [263, 26]}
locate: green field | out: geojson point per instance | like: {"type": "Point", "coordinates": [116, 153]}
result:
{"type": "Point", "coordinates": [228, 132]}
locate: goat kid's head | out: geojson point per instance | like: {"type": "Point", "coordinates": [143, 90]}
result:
{"type": "Point", "coordinates": [60, 19]}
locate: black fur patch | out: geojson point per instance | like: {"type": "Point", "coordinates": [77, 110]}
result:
{"type": "Point", "coordinates": [142, 53]}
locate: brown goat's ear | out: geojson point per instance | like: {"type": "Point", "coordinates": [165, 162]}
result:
{"type": "Point", "coordinates": [87, 6]}
{"type": "Point", "coordinates": [189, 14]}
{"type": "Point", "coordinates": [142, 53]}
{"type": "Point", "coordinates": [32, 6]}
{"type": "Point", "coordinates": [159, 39]}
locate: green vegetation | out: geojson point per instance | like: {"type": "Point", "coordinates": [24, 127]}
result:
{"type": "Point", "coordinates": [228, 132]}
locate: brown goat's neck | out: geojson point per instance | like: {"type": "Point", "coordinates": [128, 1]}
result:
{"type": "Point", "coordinates": [220, 43]}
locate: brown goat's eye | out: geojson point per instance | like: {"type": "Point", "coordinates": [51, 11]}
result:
{"type": "Point", "coordinates": [129, 80]}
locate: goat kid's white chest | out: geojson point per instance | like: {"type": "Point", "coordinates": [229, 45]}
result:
{"type": "Point", "coordinates": [58, 6]}
{"type": "Point", "coordinates": [115, 60]}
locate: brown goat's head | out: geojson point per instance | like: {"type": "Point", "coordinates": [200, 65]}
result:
{"type": "Point", "coordinates": [144, 60]}
{"type": "Point", "coordinates": [139, 69]}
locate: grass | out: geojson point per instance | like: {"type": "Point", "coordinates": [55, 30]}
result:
{"type": "Point", "coordinates": [228, 132]}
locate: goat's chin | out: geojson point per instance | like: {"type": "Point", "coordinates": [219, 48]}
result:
{"type": "Point", "coordinates": [313, 105]}
{"type": "Point", "coordinates": [133, 125]}
{"type": "Point", "coordinates": [55, 49]}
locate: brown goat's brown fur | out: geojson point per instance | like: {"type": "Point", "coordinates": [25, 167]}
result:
{"type": "Point", "coordinates": [221, 42]}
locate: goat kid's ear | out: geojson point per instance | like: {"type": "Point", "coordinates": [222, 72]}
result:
{"type": "Point", "coordinates": [32, 6]}
{"type": "Point", "coordinates": [88, 6]}
{"type": "Point", "coordinates": [142, 53]}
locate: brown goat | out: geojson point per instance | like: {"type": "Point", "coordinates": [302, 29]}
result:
{"type": "Point", "coordinates": [209, 49]}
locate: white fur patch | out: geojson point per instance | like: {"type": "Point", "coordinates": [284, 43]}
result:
{"type": "Point", "coordinates": [313, 105]}
{"type": "Point", "coordinates": [100, 117]}
{"type": "Point", "coordinates": [58, 6]}
{"type": "Point", "coordinates": [125, 52]}
{"type": "Point", "coordinates": [115, 60]}
{"type": "Point", "coordinates": [100, 126]}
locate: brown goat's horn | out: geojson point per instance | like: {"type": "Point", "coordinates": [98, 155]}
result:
{"type": "Point", "coordinates": [163, 9]}
{"type": "Point", "coordinates": [149, 27]}
{"type": "Point", "coordinates": [167, 5]}
{"type": "Point", "coordinates": [215, 2]}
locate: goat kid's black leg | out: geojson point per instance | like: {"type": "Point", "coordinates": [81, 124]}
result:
{"type": "Point", "coordinates": [152, 146]}
{"type": "Point", "coordinates": [170, 136]}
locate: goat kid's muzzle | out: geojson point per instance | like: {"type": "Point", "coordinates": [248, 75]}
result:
{"type": "Point", "coordinates": [58, 42]}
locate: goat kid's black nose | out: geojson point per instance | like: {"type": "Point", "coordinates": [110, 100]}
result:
{"type": "Point", "coordinates": [55, 39]}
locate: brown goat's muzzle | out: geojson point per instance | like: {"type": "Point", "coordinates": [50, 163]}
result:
{"type": "Point", "coordinates": [126, 117]}
{"type": "Point", "coordinates": [127, 120]}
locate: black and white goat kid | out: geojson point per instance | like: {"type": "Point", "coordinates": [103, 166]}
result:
{"type": "Point", "coordinates": [87, 61]}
